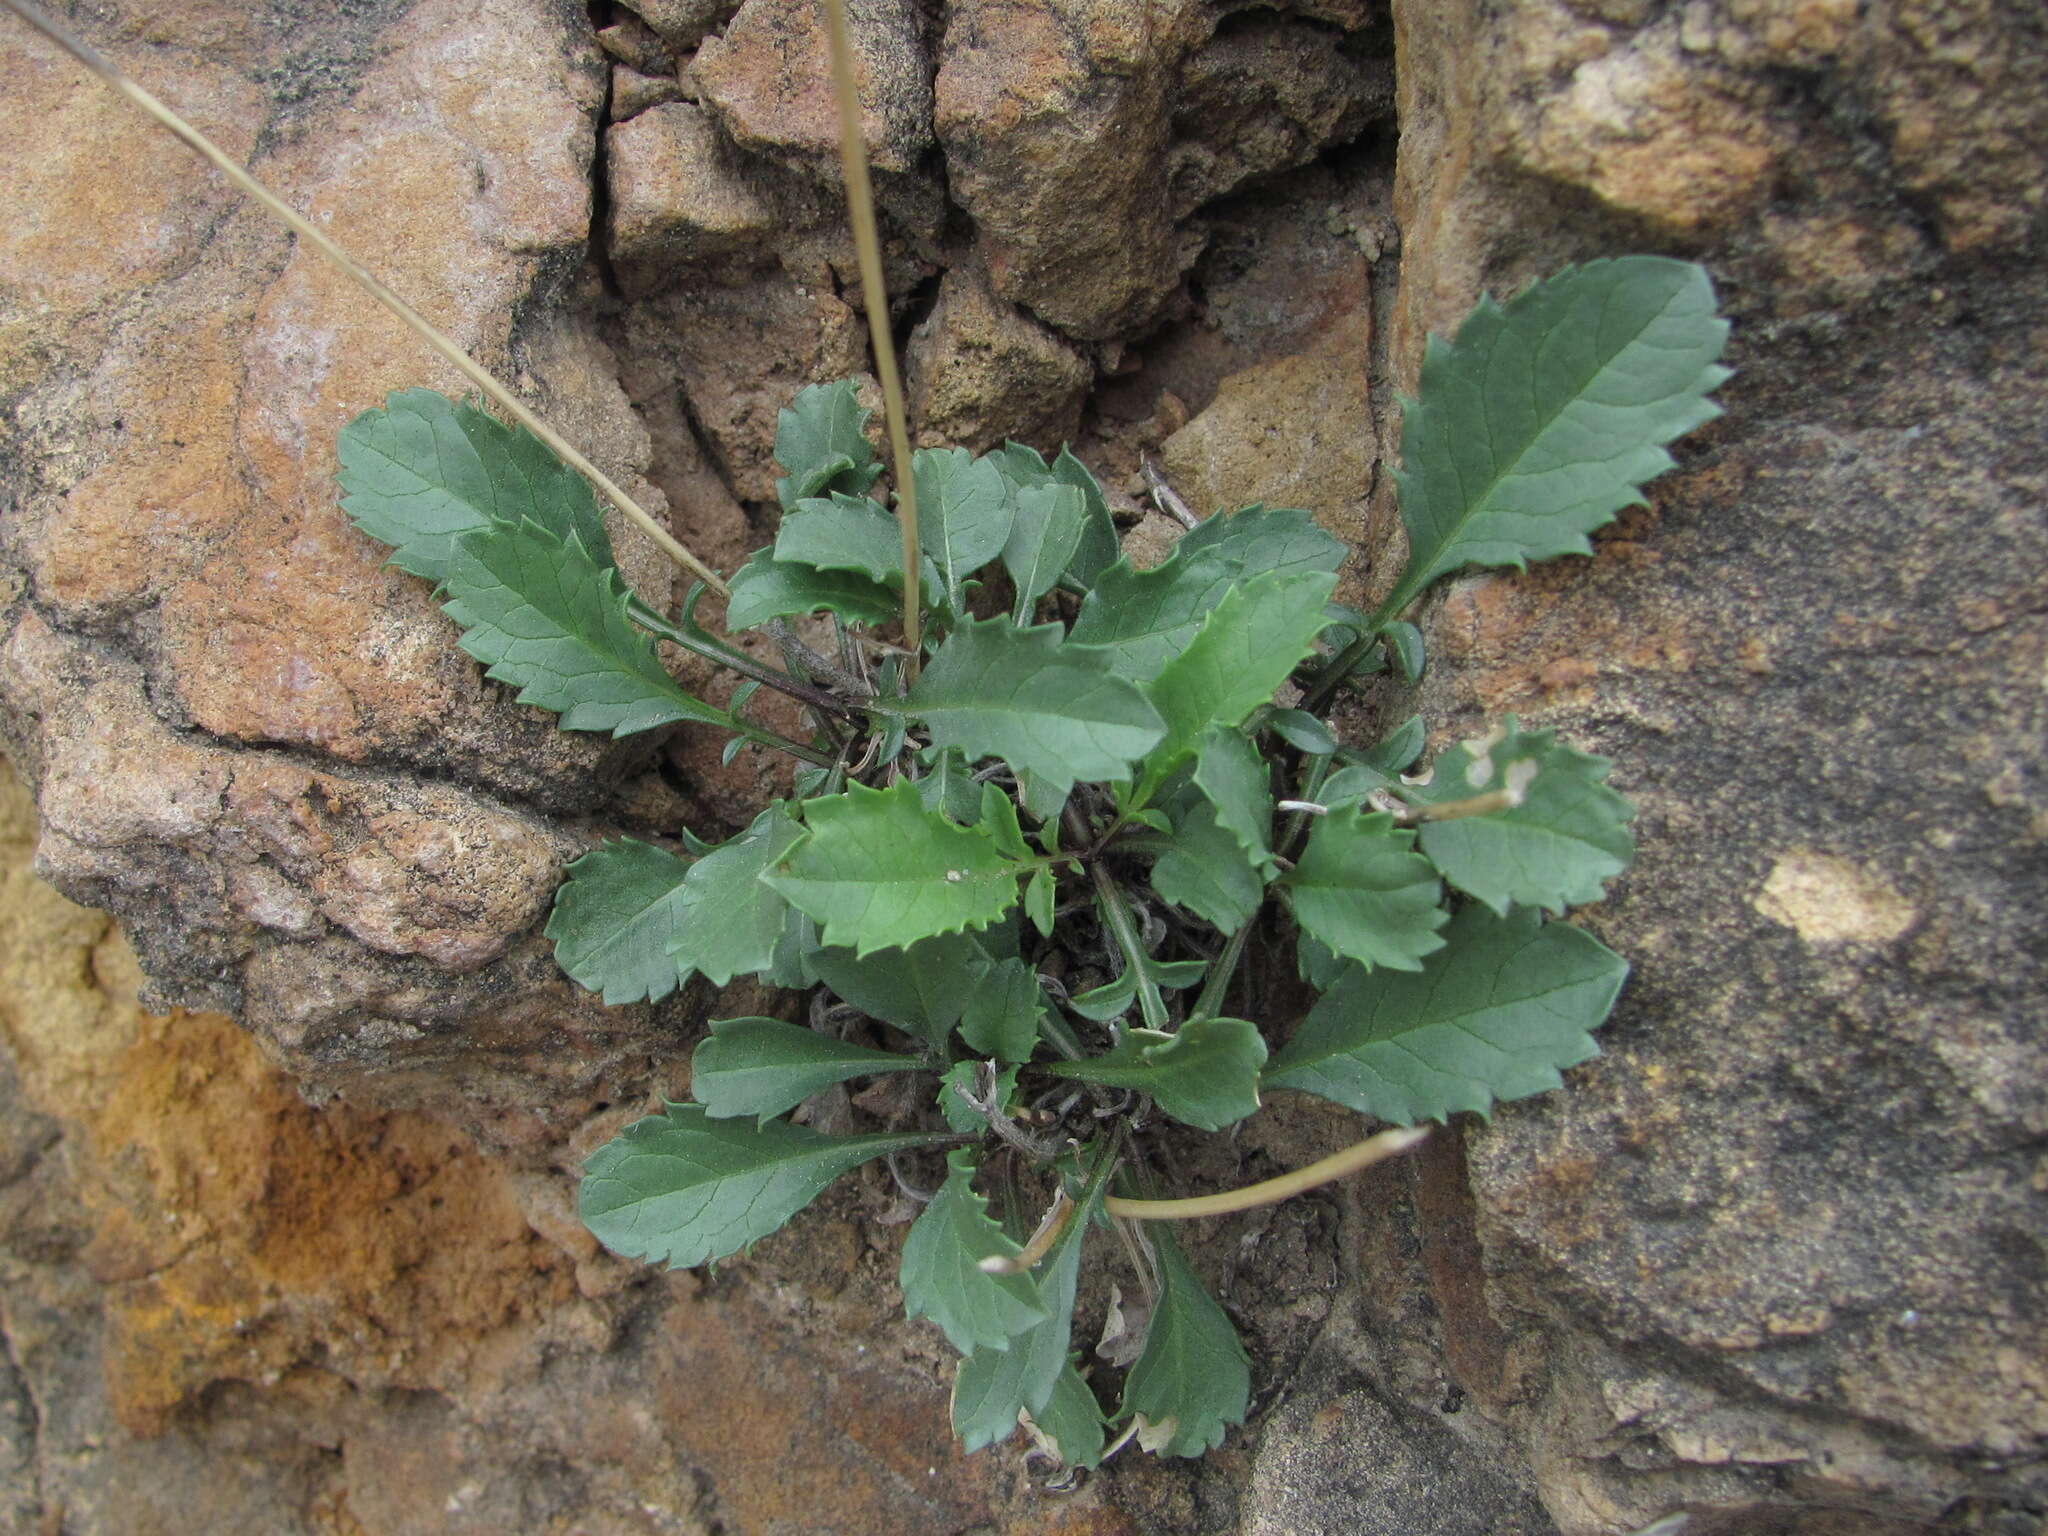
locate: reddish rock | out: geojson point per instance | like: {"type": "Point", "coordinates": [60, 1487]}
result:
{"type": "Point", "coordinates": [1056, 125]}
{"type": "Point", "coordinates": [980, 371]}
{"type": "Point", "coordinates": [680, 197]}
{"type": "Point", "coordinates": [768, 77]}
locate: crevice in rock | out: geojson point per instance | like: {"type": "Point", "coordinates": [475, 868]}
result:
{"type": "Point", "coordinates": [602, 13]}
{"type": "Point", "coordinates": [11, 1369]}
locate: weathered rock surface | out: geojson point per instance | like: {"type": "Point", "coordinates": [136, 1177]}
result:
{"type": "Point", "coordinates": [1785, 1239]}
{"type": "Point", "coordinates": [768, 76]}
{"type": "Point", "coordinates": [1056, 122]}
{"type": "Point", "coordinates": [1267, 96]}
{"type": "Point", "coordinates": [682, 24]}
{"type": "Point", "coordinates": [979, 370]}
{"type": "Point", "coordinates": [225, 1310]}
{"type": "Point", "coordinates": [1776, 1258]}
{"type": "Point", "coordinates": [237, 718]}
{"type": "Point", "coordinates": [1296, 432]}
{"type": "Point", "coordinates": [680, 196]}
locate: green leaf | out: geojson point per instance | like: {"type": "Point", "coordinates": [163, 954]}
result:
{"type": "Point", "coordinates": [796, 948]}
{"type": "Point", "coordinates": [994, 1386]}
{"type": "Point", "coordinates": [1362, 889]}
{"type": "Point", "coordinates": [425, 470]}
{"type": "Point", "coordinates": [1558, 846]}
{"type": "Point", "coordinates": [1230, 772]}
{"type": "Point", "coordinates": [1111, 1000]}
{"type": "Point", "coordinates": [1259, 539]}
{"type": "Point", "coordinates": [1493, 1015]}
{"type": "Point", "coordinates": [761, 1067]}
{"type": "Point", "coordinates": [1021, 464]}
{"type": "Point", "coordinates": [949, 786]}
{"type": "Point", "coordinates": [1206, 1076]}
{"type": "Point", "coordinates": [919, 989]}
{"type": "Point", "coordinates": [730, 922]}
{"type": "Point", "coordinates": [1043, 705]}
{"type": "Point", "coordinates": [682, 1189]}
{"type": "Point", "coordinates": [613, 918]}
{"type": "Point", "coordinates": [964, 513]}
{"type": "Point", "coordinates": [1404, 644]}
{"type": "Point", "coordinates": [1545, 416]}
{"type": "Point", "coordinates": [1246, 647]}
{"type": "Point", "coordinates": [999, 819]}
{"type": "Point", "coordinates": [767, 588]}
{"type": "Point", "coordinates": [1302, 731]}
{"type": "Point", "coordinates": [1045, 799]}
{"type": "Point", "coordinates": [962, 1116]}
{"type": "Point", "coordinates": [1148, 617]}
{"type": "Point", "coordinates": [1400, 748]}
{"type": "Point", "coordinates": [1193, 1379]}
{"type": "Point", "coordinates": [818, 439]}
{"type": "Point", "coordinates": [1072, 1420]}
{"type": "Point", "coordinates": [547, 619]}
{"type": "Point", "coordinates": [1096, 549]}
{"type": "Point", "coordinates": [1003, 1002]}
{"type": "Point", "coordinates": [1044, 532]}
{"type": "Point", "coordinates": [1177, 975]}
{"type": "Point", "coordinates": [1040, 893]}
{"type": "Point", "coordinates": [1353, 785]}
{"type": "Point", "coordinates": [879, 871]}
{"type": "Point", "coordinates": [842, 533]}
{"type": "Point", "coordinates": [1207, 871]}
{"type": "Point", "coordinates": [1317, 963]}
{"type": "Point", "coordinates": [942, 1276]}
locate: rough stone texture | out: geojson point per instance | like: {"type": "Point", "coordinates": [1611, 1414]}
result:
{"type": "Point", "coordinates": [633, 92]}
{"type": "Point", "coordinates": [768, 76]}
{"type": "Point", "coordinates": [1785, 1240]}
{"type": "Point", "coordinates": [1080, 134]}
{"type": "Point", "coordinates": [1292, 433]}
{"type": "Point", "coordinates": [741, 351]}
{"type": "Point", "coordinates": [680, 196]}
{"type": "Point", "coordinates": [1056, 122]}
{"type": "Point", "coordinates": [979, 371]}
{"type": "Point", "coordinates": [236, 717]}
{"type": "Point", "coordinates": [1405, 1472]}
{"type": "Point", "coordinates": [1267, 96]}
{"type": "Point", "coordinates": [225, 1310]}
{"type": "Point", "coordinates": [683, 23]}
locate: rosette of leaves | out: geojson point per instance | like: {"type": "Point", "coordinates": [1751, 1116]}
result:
{"type": "Point", "coordinates": [1025, 863]}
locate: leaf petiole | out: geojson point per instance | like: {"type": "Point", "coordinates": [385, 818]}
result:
{"type": "Point", "coordinates": [1220, 973]}
{"type": "Point", "coordinates": [1247, 1197]}
{"type": "Point", "coordinates": [1116, 914]}
{"type": "Point", "coordinates": [693, 637]}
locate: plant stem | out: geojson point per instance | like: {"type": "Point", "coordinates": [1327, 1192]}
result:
{"type": "Point", "coordinates": [738, 661]}
{"type": "Point", "coordinates": [763, 736]}
{"type": "Point", "coordinates": [1271, 1191]}
{"type": "Point", "coordinates": [867, 242]}
{"type": "Point", "coordinates": [1053, 1029]}
{"type": "Point", "coordinates": [1297, 823]}
{"type": "Point", "coordinates": [1218, 981]}
{"type": "Point", "coordinates": [1048, 1233]}
{"type": "Point", "coordinates": [1347, 660]}
{"type": "Point", "coordinates": [1118, 916]}
{"type": "Point", "coordinates": [356, 273]}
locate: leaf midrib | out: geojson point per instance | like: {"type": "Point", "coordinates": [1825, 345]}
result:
{"type": "Point", "coordinates": [1457, 1021]}
{"type": "Point", "coordinates": [1504, 473]}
